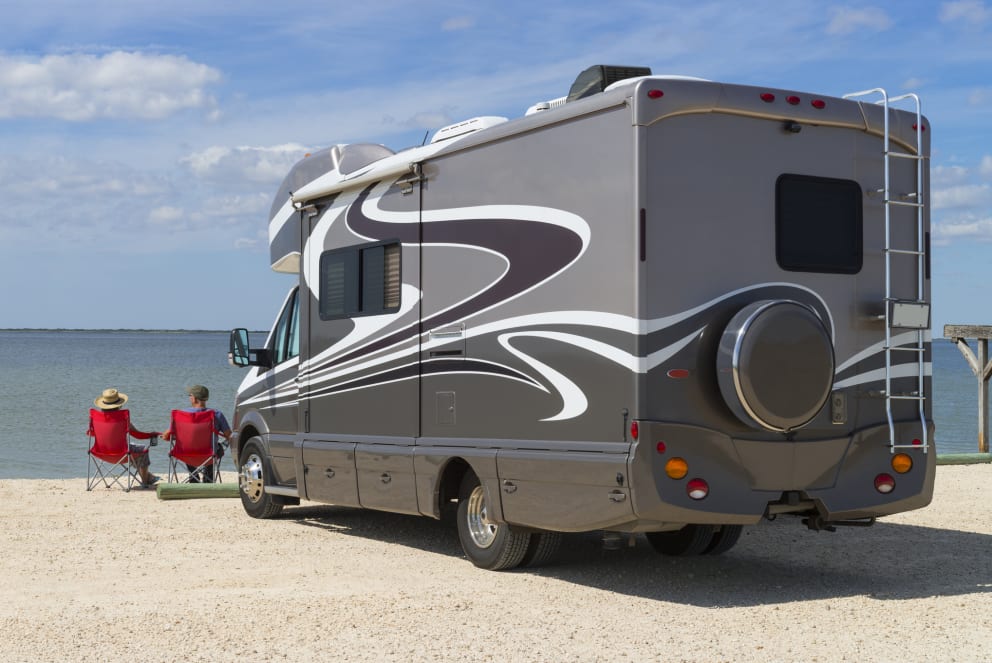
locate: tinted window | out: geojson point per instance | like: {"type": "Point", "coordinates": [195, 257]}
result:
{"type": "Point", "coordinates": [362, 280]}
{"type": "Point", "coordinates": [286, 339]}
{"type": "Point", "coordinates": [818, 224]}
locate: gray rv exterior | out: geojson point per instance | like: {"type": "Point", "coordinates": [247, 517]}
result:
{"type": "Point", "coordinates": [566, 282]}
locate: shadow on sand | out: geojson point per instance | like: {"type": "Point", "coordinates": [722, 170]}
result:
{"type": "Point", "coordinates": [774, 562]}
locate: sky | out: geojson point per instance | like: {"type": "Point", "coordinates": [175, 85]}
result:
{"type": "Point", "coordinates": [141, 143]}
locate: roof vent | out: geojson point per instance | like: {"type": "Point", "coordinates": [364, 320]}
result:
{"type": "Point", "coordinates": [598, 77]}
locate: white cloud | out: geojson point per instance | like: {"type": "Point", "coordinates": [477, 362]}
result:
{"type": "Point", "coordinates": [261, 165]}
{"type": "Point", "coordinates": [166, 214]}
{"type": "Point", "coordinates": [971, 228]}
{"type": "Point", "coordinates": [845, 20]}
{"type": "Point", "coordinates": [83, 87]}
{"type": "Point", "coordinates": [945, 176]}
{"type": "Point", "coordinates": [986, 166]}
{"type": "Point", "coordinates": [964, 196]}
{"type": "Point", "coordinates": [972, 12]}
{"type": "Point", "coordinates": [458, 23]}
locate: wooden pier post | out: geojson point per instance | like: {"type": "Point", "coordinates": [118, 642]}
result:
{"type": "Point", "coordinates": [980, 366]}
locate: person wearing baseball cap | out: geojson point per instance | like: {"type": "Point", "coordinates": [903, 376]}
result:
{"type": "Point", "coordinates": [198, 396]}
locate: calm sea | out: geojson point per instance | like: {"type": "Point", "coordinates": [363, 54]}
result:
{"type": "Point", "coordinates": [50, 379]}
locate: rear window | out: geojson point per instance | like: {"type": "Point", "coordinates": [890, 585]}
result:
{"type": "Point", "coordinates": [818, 224]}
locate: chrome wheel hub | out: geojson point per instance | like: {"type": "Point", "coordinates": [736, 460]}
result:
{"type": "Point", "coordinates": [480, 528]}
{"type": "Point", "coordinates": [250, 478]}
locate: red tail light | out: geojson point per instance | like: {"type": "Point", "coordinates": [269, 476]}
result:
{"type": "Point", "coordinates": [655, 94]}
{"type": "Point", "coordinates": [767, 97]}
{"type": "Point", "coordinates": [792, 99]}
{"type": "Point", "coordinates": [634, 430]}
{"type": "Point", "coordinates": [884, 483]}
{"type": "Point", "coordinates": [697, 489]}
{"type": "Point", "coordinates": [818, 104]}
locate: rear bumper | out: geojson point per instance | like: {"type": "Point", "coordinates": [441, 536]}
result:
{"type": "Point", "coordinates": [834, 477]}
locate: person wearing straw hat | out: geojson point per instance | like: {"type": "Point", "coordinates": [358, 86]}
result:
{"type": "Point", "coordinates": [112, 399]}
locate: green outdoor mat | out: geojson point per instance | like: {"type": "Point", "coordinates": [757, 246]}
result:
{"type": "Point", "coordinates": [193, 491]}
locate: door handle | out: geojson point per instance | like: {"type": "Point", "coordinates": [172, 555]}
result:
{"type": "Point", "coordinates": [385, 478]}
{"type": "Point", "coordinates": [329, 473]}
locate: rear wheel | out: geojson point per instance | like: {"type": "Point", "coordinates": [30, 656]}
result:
{"type": "Point", "coordinates": [724, 539]}
{"type": "Point", "coordinates": [690, 540]}
{"type": "Point", "coordinates": [488, 545]}
{"type": "Point", "coordinates": [252, 476]}
{"type": "Point", "coordinates": [542, 548]}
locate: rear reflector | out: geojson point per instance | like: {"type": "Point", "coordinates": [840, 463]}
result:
{"type": "Point", "coordinates": [676, 468]}
{"type": "Point", "coordinates": [884, 483]}
{"type": "Point", "coordinates": [678, 373]}
{"type": "Point", "coordinates": [655, 94]}
{"type": "Point", "coordinates": [661, 447]}
{"type": "Point", "coordinates": [634, 430]}
{"type": "Point", "coordinates": [902, 463]}
{"type": "Point", "coordinates": [697, 489]}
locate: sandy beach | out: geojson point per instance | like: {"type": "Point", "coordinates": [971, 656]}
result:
{"type": "Point", "coordinates": [114, 576]}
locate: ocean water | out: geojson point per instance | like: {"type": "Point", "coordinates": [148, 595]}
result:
{"type": "Point", "coordinates": [49, 380]}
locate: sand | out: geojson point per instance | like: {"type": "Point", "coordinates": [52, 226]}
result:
{"type": "Point", "coordinates": [114, 576]}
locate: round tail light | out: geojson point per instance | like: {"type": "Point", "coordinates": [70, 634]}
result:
{"type": "Point", "coordinates": [884, 483]}
{"type": "Point", "coordinates": [902, 463]}
{"type": "Point", "coordinates": [697, 489]}
{"type": "Point", "coordinates": [676, 468]}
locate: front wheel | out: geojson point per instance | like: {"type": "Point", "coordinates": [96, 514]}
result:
{"type": "Point", "coordinates": [252, 475]}
{"type": "Point", "coordinates": [487, 544]}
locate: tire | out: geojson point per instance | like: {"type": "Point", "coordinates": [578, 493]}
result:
{"type": "Point", "coordinates": [253, 472]}
{"type": "Point", "coordinates": [488, 545]}
{"type": "Point", "coordinates": [542, 549]}
{"type": "Point", "coordinates": [724, 539]}
{"type": "Point", "coordinates": [690, 540]}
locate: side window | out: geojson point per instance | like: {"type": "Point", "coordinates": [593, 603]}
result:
{"type": "Point", "coordinates": [286, 339]}
{"type": "Point", "coordinates": [360, 280]}
{"type": "Point", "coordinates": [818, 224]}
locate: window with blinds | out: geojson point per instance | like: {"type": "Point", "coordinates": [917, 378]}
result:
{"type": "Point", "coordinates": [360, 280]}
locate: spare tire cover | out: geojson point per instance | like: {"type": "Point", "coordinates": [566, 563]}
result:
{"type": "Point", "coordinates": [775, 365]}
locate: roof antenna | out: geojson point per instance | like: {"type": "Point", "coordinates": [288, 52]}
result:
{"type": "Point", "coordinates": [424, 141]}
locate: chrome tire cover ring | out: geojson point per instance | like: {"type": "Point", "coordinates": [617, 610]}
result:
{"type": "Point", "coordinates": [776, 365]}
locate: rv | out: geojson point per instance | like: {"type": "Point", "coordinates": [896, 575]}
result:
{"type": "Point", "coordinates": [658, 306]}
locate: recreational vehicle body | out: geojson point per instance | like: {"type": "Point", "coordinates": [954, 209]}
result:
{"type": "Point", "coordinates": [660, 305]}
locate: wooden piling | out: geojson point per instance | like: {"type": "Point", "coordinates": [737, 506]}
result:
{"type": "Point", "coordinates": [980, 366]}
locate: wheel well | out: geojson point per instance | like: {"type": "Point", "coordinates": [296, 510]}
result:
{"type": "Point", "coordinates": [244, 435]}
{"type": "Point", "coordinates": [449, 484]}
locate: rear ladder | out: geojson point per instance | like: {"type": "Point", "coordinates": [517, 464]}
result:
{"type": "Point", "coordinates": [892, 304]}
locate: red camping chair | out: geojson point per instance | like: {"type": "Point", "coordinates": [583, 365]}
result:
{"type": "Point", "coordinates": [110, 457]}
{"type": "Point", "coordinates": [193, 444]}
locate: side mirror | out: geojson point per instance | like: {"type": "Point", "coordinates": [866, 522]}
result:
{"type": "Point", "coordinates": [241, 353]}
{"type": "Point", "coordinates": [239, 347]}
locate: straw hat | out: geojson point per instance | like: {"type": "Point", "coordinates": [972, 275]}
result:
{"type": "Point", "coordinates": [110, 399]}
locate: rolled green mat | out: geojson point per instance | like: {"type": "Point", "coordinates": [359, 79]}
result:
{"type": "Point", "coordinates": [963, 459]}
{"type": "Point", "coordinates": [193, 491]}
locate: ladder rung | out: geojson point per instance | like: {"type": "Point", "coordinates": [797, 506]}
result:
{"type": "Point", "coordinates": [922, 447]}
{"type": "Point", "coordinates": [903, 155]}
{"type": "Point", "coordinates": [900, 349]}
{"type": "Point", "coordinates": [903, 203]}
{"type": "Point", "coordinates": [905, 252]}
{"type": "Point", "coordinates": [899, 397]}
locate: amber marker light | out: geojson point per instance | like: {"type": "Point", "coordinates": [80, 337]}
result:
{"type": "Point", "coordinates": [902, 463]}
{"type": "Point", "coordinates": [676, 468]}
